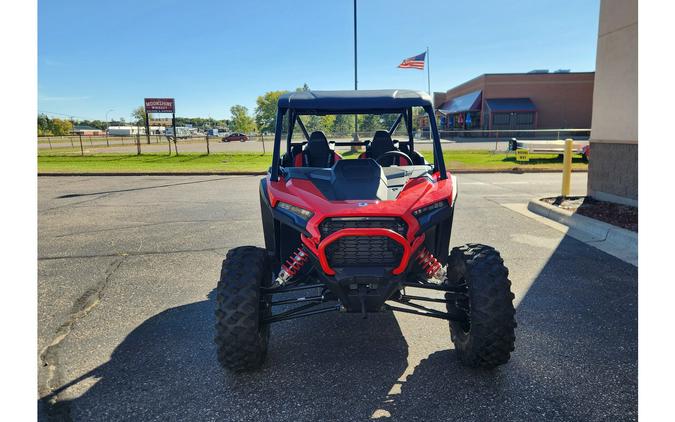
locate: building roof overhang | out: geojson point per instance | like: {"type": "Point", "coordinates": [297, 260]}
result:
{"type": "Point", "coordinates": [466, 102]}
{"type": "Point", "coordinates": [505, 105]}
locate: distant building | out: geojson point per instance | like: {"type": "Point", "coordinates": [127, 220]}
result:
{"type": "Point", "coordinates": [125, 130]}
{"type": "Point", "coordinates": [511, 101]}
{"type": "Point", "coordinates": [88, 131]}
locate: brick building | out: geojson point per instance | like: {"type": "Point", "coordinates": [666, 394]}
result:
{"type": "Point", "coordinates": [501, 101]}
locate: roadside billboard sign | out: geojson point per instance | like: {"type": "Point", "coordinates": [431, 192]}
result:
{"type": "Point", "coordinates": [160, 105]}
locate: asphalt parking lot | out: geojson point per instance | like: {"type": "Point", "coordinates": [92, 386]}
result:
{"type": "Point", "coordinates": [127, 268]}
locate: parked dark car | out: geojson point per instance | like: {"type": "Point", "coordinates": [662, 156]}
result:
{"type": "Point", "coordinates": [235, 137]}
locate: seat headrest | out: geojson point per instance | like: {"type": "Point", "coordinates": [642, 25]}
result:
{"type": "Point", "coordinates": [318, 152]}
{"type": "Point", "coordinates": [380, 144]}
{"type": "Point", "coordinates": [317, 136]}
{"type": "Point", "coordinates": [383, 138]}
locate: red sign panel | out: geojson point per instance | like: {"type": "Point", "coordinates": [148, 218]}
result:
{"type": "Point", "coordinates": [160, 105]}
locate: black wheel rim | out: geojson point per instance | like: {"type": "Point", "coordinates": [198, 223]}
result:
{"type": "Point", "coordinates": [463, 303]}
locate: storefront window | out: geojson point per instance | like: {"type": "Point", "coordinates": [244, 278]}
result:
{"type": "Point", "coordinates": [473, 120]}
{"type": "Point", "coordinates": [525, 118]}
{"type": "Point", "coordinates": [501, 119]}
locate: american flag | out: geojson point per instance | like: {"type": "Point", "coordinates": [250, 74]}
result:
{"type": "Point", "coordinates": [416, 62]}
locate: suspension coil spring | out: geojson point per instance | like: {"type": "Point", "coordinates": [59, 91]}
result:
{"type": "Point", "coordinates": [428, 262]}
{"type": "Point", "coordinates": [292, 265]}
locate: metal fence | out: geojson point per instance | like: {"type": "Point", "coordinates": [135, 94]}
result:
{"type": "Point", "coordinates": [262, 143]}
{"type": "Point", "coordinates": [139, 144]}
{"type": "Point", "coordinates": [474, 135]}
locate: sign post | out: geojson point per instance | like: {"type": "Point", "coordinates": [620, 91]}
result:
{"type": "Point", "coordinates": [138, 140]}
{"type": "Point", "coordinates": [175, 134]}
{"type": "Point", "coordinates": [147, 126]}
{"type": "Point", "coordinates": [567, 169]}
{"type": "Point", "coordinates": [161, 105]}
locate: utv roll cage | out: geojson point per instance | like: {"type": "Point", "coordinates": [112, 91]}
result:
{"type": "Point", "coordinates": [320, 103]}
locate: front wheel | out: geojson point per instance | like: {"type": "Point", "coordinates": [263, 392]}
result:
{"type": "Point", "coordinates": [241, 337]}
{"type": "Point", "coordinates": [487, 338]}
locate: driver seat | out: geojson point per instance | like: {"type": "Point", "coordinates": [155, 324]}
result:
{"type": "Point", "coordinates": [381, 144]}
{"type": "Point", "coordinates": [317, 152]}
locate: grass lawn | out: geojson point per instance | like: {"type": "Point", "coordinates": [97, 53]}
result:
{"type": "Point", "coordinates": [255, 162]}
{"type": "Point", "coordinates": [123, 163]}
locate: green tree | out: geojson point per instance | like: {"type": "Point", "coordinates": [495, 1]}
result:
{"type": "Point", "coordinates": [343, 124]}
{"type": "Point", "coordinates": [326, 123]}
{"type": "Point", "coordinates": [139, 115]}
{"type": "Point", "coordinates": [241, 121]}
{"type": "Point", "coordinates": [312, 123]}
{"type": "Point", "coordinates": [369, 123]}
{"type": "Point", "coordinates": [59, 127]}
{"type": "Point", "coordinates": [43, 124]}
{"type": "Point", "coordinates": [93, 123]}
{"type": "Point", "coordinates": [387, 120]}
{"type": "Point", "coordinates": [266, 110]}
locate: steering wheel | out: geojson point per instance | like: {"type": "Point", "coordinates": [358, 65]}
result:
{"type": "Point", "coordinates": [390, 153]}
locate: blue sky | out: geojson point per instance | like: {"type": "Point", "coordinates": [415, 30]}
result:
{"type": "Point", "coordinates": [99, 55]}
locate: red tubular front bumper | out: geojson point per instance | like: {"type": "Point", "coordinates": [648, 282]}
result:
{"type": "Point", "coordinates": [320, 249]}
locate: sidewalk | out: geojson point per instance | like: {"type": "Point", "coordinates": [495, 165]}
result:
{"type": "Point", "coordinates": [616, 241]}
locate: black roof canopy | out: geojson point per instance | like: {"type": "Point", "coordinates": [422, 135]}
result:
{"type": "Point", "coordinates": [354, 102]}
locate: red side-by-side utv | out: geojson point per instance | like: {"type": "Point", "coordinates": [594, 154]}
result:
{"type": "Point", "coordinates": [356, 234]}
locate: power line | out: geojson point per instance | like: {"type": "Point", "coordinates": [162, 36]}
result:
{"type": "Point", "coordinates": [65, 115]}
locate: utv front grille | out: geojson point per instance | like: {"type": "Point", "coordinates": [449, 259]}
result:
{"type": "Point", "coordinates": [364, 251]}
{"type": "Point", "coordinates": [331, 225]}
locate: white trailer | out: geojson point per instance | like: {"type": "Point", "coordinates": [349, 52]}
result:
{"type": "Point", "coordinates": [546, 146]}
{"type": "Point", "coordinates": [183, 132]}
{"type": "Point", "coordinates": [125, 130]}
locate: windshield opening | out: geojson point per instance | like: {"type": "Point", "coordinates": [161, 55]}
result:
{"type": "Point", "coordinates": [321, 140]}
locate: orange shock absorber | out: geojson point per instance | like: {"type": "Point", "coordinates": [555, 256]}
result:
{"type": "Point", "coordinates": [429, 263]}
{"type": "Point", "coordinates": [292, 265]}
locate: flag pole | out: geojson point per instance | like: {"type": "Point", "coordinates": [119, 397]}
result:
{"type": "Point", "coordinates": [428, 73]}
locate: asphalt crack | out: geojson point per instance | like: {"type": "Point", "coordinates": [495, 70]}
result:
{"type": "Point", "coordinates": [137, 253]}
{"type": "Point", "coordinates": [145, 225]}
{"type": "Point", "coordinates": [50, 355]}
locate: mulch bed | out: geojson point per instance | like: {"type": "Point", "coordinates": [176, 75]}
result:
{"type": "Point", "coordinates": [619, 215]}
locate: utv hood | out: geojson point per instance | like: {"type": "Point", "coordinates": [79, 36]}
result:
{"type": "Point", "coordinates": [361, 187]}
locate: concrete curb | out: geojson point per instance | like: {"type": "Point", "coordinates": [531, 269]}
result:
{"type": "Point", "coordinates": [614, 240]}
{"type": "Point", "coordinates": [261, 173]}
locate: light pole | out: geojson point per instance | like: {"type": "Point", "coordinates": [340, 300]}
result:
{"type": "Point", "coordinates": [107, 125]}
{"type": "Point", "coordinates": [356, 85]}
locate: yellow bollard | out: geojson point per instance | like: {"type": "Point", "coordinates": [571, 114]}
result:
{"type": "Point", "coordinates": [567, 168]}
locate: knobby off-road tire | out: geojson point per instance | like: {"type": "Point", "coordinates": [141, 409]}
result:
{"type": "Point", "coordinates": [240, 337]}
{"type": "Point", "coordinates": [487, 340]}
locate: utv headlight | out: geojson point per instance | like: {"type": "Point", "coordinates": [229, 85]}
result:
{"type": "Point", "coordinates": [300, 212]}
{"type": "Point", "coordinates": [435, 206]}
